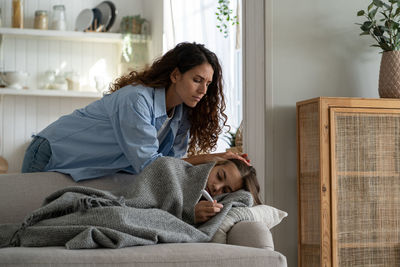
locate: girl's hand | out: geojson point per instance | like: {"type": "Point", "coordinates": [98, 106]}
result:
{"type": "Point", "coordinates": [204, 210]}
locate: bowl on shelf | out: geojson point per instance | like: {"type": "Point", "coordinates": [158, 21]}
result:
{"type": "Point", "coordinates": [14, 79]}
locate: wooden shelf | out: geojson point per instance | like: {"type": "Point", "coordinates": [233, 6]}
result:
{"type": "Point", "coordinates": [54, 93]}
{"type": "Point", "coordinates": [103, 37]}
{"type": "Point", "coordinates": [368, 245]}
{"type": "Point", "coordinates": [368, 174]}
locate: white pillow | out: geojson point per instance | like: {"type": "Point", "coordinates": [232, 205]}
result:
{"type": "Point", "coordinates": [268, 215]}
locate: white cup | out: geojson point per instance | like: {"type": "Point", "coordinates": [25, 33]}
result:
{"type": "Point", "coordinates": [14, 79]}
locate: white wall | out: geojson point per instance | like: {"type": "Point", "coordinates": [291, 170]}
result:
{"type": "Point", "coordinates": [153, 11]}
{"type": "Point", "coordinates": [316, 51]}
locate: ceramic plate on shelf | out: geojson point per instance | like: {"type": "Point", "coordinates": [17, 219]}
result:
{"type": "Point", "coordinates": [114, 13]}
{"type": "Point", "coordinates": [106, 14]}
{"type": "Point", "coordinates": [84, 20]}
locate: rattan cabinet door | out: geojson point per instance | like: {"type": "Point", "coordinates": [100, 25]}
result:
{"type": "Point", "coordinates": [365, 184]}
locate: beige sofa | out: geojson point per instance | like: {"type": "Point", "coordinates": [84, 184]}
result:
{"type": "Point", "coordinates": [248, 243]}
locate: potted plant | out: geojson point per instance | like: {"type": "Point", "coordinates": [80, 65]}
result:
{"type": "Point", "coordinates": [383, 24]}
{"type": "Point", "coordinates": [235, 140]}
{"type": "Point", "coordinates": [225, 17]}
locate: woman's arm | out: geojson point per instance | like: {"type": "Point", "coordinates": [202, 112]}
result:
{"type": "Point", "coordinates": [203, 158]}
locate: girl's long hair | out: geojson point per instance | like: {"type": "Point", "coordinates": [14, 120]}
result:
{"type": "Point", "coordinates": [207, 118]}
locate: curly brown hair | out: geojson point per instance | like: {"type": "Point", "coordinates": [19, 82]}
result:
{"type": "Point", "coordinates": [206, 116]}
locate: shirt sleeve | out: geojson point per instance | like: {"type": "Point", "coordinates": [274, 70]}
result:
{"type": "Point", "coordinates": [135, 133]}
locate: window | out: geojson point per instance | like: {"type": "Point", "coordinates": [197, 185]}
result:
{"type": "Point", "coordinates": [195, 21]}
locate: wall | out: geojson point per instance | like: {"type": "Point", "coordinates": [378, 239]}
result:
{"type": "Point", "coordinates": [316, 51]}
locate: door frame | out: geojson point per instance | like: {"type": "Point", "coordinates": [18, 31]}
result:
{"type": "Point", "coordinates": [257, 91]}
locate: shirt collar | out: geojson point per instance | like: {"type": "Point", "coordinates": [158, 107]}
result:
{"type": "Point", "coordinates": [160, 108]}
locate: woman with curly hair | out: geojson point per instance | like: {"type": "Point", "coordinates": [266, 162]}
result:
{"type": "Point", "coordinates": [173, 108]}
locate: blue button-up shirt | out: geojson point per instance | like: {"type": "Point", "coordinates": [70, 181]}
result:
{"type": "Point", "coordinates": [116, 133]}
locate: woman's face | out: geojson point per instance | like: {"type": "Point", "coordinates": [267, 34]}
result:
{"type": "Point", "coordinates": [191, 86]}
{"type": "Point", "coordinates": [224, 179]}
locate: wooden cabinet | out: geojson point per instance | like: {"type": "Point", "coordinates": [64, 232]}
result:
{"type": "Point", "coordinates": [349, 182]}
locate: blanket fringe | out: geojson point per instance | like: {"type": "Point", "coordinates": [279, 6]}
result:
{"type": "Point", "coordinates": [82, 204]}
{"type": "Point", "coordinates": [15, 239]}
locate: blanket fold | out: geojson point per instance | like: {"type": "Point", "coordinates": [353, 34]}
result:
{"type": "Point", "coordinates": [156, 207]}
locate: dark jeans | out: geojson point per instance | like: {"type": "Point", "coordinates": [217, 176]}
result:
{"type": "Point", "coordinates": [37, 155]}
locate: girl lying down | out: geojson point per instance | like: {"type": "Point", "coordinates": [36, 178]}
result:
{"type": "Point", "coordinates": [161, 205]}
{"type": "Point", "coordinates": [225, 177]}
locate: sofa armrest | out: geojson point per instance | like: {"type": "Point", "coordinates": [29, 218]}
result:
{"type": "Point", "coordinates": [250, 234]}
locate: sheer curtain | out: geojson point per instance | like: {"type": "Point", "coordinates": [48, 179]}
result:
{"type": "Point", "coordinates": [196, 21]}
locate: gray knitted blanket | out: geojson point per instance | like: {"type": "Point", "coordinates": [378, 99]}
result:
{"type": "Point", "coordinates": [156, 207]}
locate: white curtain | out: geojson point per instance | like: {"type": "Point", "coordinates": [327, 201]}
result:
{"type": "Point", "coordinates": [196, 21]}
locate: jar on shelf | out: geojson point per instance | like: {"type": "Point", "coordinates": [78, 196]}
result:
{"type": "Point", "coordinates": [41, 20]}
{"type": "Point", "coordinates": [18, 14]}
{"type": "Point", "coordinates": [72, 79]}
{"type": "Point", "coordinates": [58, 21]}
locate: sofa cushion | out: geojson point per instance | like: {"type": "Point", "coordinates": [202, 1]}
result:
{"type": "Point", "coordinates": [193, 254]}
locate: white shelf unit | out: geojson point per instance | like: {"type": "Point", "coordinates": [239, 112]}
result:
{"type": "Point", "coordinates": [44, 92]}
{"type": "Point", "coordinates": [63, 35]}
{"type": "Point", "coordinates": [101, 37]}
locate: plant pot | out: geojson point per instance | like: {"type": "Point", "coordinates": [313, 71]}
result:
{"type": "Point", "coordinates": [389, 75]}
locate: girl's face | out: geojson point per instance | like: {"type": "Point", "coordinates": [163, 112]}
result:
{"type": "Point", "coordinates": [224, 179]}
{"type": "Point", "coordinates": [191, 86]}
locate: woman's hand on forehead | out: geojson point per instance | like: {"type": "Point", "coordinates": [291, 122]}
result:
{"type": "Point", "coordinates": [230, 155]}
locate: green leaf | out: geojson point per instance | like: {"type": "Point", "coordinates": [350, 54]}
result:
{"type": "Point", "coordinates": [371, 6]}
{"type": "Point", "coordinates": [377, 3]}
{"type": "Point", "coordinates": [372, 13]}
{"type": "Point", "coordinates": [364, 33]}
{"type": "Point", "coordinates": [366, 26]}
{"type": "Point", "coordinates": [360, 13]}
{"type": "Point", "coordinates": [386, 5]}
